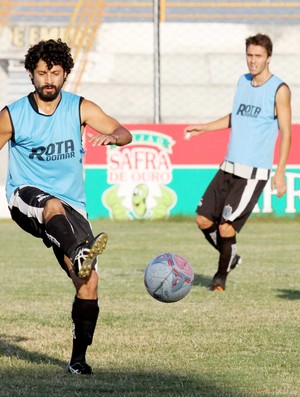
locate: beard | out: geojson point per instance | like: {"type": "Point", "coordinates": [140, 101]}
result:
{"type": "Point", "coordinates": [48, 96]}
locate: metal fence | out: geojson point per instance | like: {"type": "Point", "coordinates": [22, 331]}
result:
{"type": "Point", "coordinates": [152, 61]}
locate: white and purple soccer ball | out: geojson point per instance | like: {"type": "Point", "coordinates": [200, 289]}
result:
{"type": "Point", "coordinates": [168, 277]}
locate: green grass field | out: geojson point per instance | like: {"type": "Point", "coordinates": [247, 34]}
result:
{"type": "Point", "coordinates": [243, 342]}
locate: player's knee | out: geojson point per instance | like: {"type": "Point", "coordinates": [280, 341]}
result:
{"type": "Point", "coordinates": [202, 222]}
{"type": "Point", "coordinates": [226, 230]}
{"type": "Point", "coordinates": [51, 208]}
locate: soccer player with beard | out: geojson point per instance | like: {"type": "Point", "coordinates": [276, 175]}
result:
{"type": "Point", "coordinates": [261, 107]}
{"type": "Point", "coordinates": [45, 189]}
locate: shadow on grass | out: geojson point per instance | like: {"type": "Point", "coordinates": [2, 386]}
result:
{"type": "Point", "coordinates": [9, 348]}
{"type": "Point", "coordinates": [289, 294]}
{"type": "Point", "coordinates": [49, 380]}
{"type": "Point", "coordinates": [201, 280]}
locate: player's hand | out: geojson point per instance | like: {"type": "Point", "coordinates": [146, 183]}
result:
{"type": "Point", "coordinates": [279, 181]}
{"type": "Point", "coordinates": [102, 139]}
{"type": "Point", "coordinates": [192, 130]}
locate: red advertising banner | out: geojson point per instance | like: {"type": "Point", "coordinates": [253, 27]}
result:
{"type": "Point", "coordinates": [206, 149]}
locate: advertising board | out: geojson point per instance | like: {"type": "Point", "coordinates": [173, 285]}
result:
{"type": "Point", "coordinates": [160, 174]}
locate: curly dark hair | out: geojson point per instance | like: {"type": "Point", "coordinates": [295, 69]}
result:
{"type": "Point", "coordinates": [53, 52]}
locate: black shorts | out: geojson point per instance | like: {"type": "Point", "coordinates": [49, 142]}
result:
{"type": "Point", "coordinates": [26, 208]}
{"type": "Point", "coordinates": [229, 198]}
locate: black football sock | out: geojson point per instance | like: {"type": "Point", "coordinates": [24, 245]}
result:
{"type": "Point", "coordinates": [60, 232]}
{"type": "Point", "coordinates": [228, 250]}
{"type": "Point", "coordinates": [212, 236]}
{"type": "Point", "coordinates": [84, 316]}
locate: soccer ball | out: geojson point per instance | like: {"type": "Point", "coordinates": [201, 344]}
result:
{"type": "Point", "coordinates": [168, 277]}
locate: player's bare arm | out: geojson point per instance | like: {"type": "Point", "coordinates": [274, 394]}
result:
{"type": "Point", "coordinates": [220, 124]}
{"type": "Point", "coordinates": [111, 132]}
{"type": "Point", "coordinates": [5, 128]}
{"type": "Point", "coordinates": [283, 111]}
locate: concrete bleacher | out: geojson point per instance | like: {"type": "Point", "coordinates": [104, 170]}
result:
{"type": "Point", "coordinates": [201, 53]}
{"type": "Point", "coordinates": [200, 64]}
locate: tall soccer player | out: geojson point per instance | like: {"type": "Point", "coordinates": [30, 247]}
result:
{"type": "Point", "coordinates": [262, 107]}
{"type": "Point", "coordinates": [45, 189]}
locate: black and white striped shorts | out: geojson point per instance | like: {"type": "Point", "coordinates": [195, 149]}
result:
{"type": "Point", "coordinates": [230, 198]}
{"type": "Point", "coordinates": [26, 207]}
